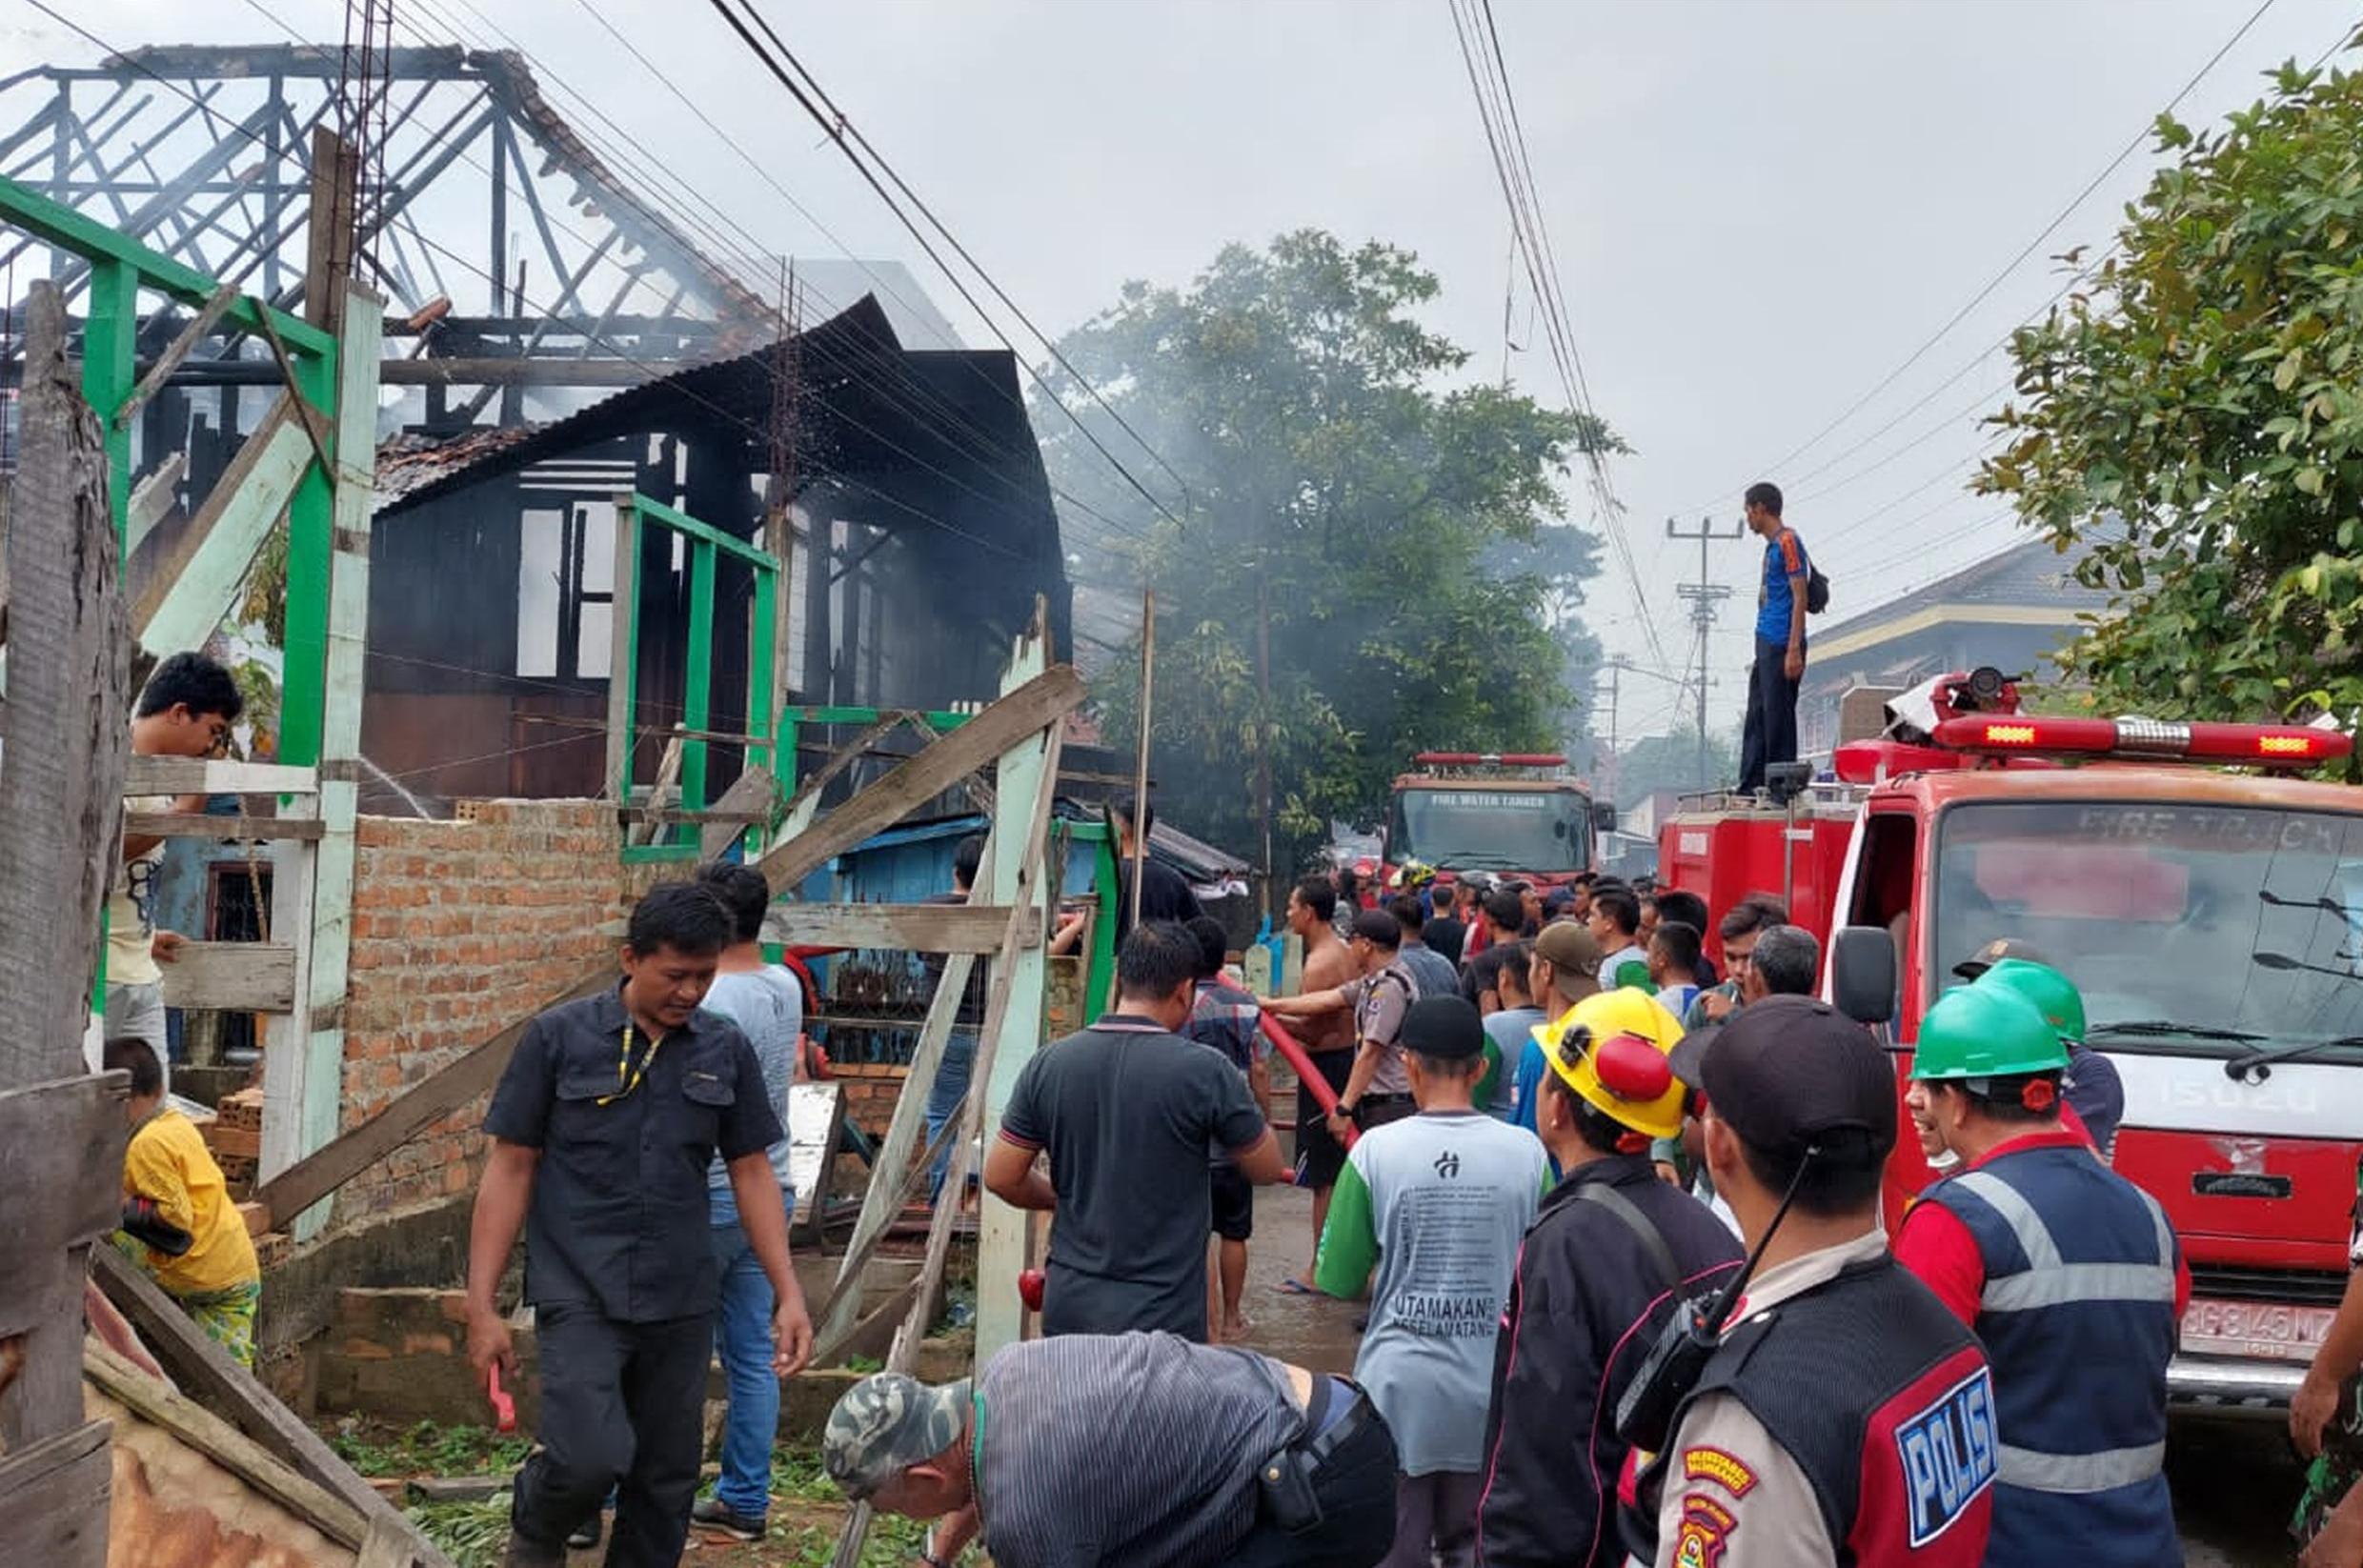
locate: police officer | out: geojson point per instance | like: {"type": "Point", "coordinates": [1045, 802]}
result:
{"type": "Point", "coordinates": [1842, 1416]}
{"type": "Point", "coordinates": [1595, 1278]}
{"type": "Point", "coordinates": [2069, 1273]}
{"type": "Point", "coordinates": [603, 1126]}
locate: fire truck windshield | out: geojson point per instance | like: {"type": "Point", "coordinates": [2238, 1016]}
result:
{"type": "Point", "coordinates": [1474, 827]}
{"type": "Point", "coordinates": [2201, 929]}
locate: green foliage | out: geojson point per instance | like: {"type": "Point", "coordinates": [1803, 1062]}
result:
{"type": "Point", "coordinates": [1401, 529]}
{"type": "Point", "coordinates": [2193, 416]}
{"type": "Point", "coordinates": [1670, 761]}
{"type": "Point", "coordinates": [428, 1449]}
{"type": "Point", "coordinates": [472, 1535]}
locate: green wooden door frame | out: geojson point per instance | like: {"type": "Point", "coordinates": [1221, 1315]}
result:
{"type": "Point", "coordinates": [762, 747]}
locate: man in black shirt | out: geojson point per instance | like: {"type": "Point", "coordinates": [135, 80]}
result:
{"type": "Point", "coordinates": [1163, 893]}
{"type": "Point", "coordinates": [1127, 1110]}
{"type": "Point", "coordinates": [603, 1126]}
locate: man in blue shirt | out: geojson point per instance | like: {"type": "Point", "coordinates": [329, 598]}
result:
{"type": "Point", "coordinates": [1770, 733]}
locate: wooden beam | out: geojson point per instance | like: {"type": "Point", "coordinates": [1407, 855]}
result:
{"type": "Point", "coordinates": [231, 977]}
{"type": "Point", "coordinates": [151, 499]}
{"type": "Point", "coordinates": [751, 800]}
{"type": "Point", "coordinates": [178, 350]}
{"type": "Point", "coordinates": [229, 829]}
{"type": "Point", "coordinates": [1043, 701]}
{"type": "Point", "coordinates": [193, 589]}
{"type": "Point", "coordinates": [909, 927]}
{"type": "Point", "coordinates": [54, 1495]}
{"type": "Point", "coordinates": [206, 775]}
{"type": "Point", "coordinates": [204, 1372]}
{"type": "Point", "coordinates": [222, 1443]}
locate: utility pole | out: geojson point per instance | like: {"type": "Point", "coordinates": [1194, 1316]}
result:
{"type": "Point", "coordinates": [1704, 596]}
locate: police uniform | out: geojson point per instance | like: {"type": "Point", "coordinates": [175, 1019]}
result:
{"type": "Point", "coordinates": [618, 1264]}
{"type": "Point", "coordinates": [1846, 1417]}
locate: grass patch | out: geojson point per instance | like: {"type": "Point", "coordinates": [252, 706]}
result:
{"type": "Point", "coordinates": [470, 1534]}
{"type": "Point", "coordinates": [426, 1449]}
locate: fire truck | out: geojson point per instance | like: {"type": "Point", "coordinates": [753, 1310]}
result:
{"type": "Point", "coordinates": [1507, 813]}
{"type": "Point", "coordinates": [2213, 920]}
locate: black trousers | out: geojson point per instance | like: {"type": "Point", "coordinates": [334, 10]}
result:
{"type": "Point", "coordinates": [1354, 1485]}
{"type": "Point", "coordinates": [1770, 733]}
{"type": "Point", "coordinates": [622, 1408]}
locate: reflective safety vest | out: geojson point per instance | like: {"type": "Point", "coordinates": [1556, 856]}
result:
{"type": "Point", "coordinates": [2078, 1320]}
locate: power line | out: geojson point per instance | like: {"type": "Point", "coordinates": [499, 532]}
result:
{"type": "Point", "coordinates": [2132, 146]}
{"type": "Point", "coordinates": [840, 129]}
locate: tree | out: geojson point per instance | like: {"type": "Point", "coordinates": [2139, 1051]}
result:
{"type": "Point", "coordinates": [1402, 534]}
{"type": "Point", "coordinates": [1670, 761]}
{"type": "Point", "coordinates": [2193, 416]}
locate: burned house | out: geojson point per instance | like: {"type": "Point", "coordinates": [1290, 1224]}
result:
{"type": "Point", "coordinates": [920, 533]}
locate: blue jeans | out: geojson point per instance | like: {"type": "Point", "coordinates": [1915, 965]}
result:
{"type": "Point", "coordinates": [943, 1101]}
{"type": "Point", "coordinates": [742, 1340]}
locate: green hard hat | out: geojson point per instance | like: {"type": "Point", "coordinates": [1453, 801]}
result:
{"type": "Point", "coordinates": [2054, 995]}
{"type": "Point", "coordinates": [1986, 1031]}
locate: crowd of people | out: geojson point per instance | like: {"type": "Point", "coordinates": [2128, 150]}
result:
{"type": "Point", "coordinates": [1610, 1200]}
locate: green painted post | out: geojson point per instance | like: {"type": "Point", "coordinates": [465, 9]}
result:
{"type": "Point", "coordinates": [110, 370]}
{"type": "Point", "coordinates": [697, 697]}
{"type": "Point", "coordinates": [311, 548]}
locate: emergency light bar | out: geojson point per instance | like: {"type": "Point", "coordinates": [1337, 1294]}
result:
{"type": "Point", "coordinates": [2262, 745]}
{"type": "Point", "coordinates": [1490, 760]}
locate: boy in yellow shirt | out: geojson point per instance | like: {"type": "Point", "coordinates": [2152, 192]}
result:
{"type": "Point", "coordinates": [172, 1188]}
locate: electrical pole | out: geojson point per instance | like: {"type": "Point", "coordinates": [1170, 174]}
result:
{"type": "Point", "coordinates": [1704, 597]}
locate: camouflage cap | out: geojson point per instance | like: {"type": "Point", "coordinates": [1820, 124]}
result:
{"type": "Point", "coordinates": [886, 1423]}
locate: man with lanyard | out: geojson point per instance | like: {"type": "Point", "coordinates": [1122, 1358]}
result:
{"type": "Point", "coordinates": [1841, 1414]}
{"type": "Point", "coordinates": [1124, 1451]}
{"type": "Point", "coordinates": [1127, 1110]}
{"type": "Point", "coordinates": [603, 1128]}
{"type": "Point", "coordinates": [2069, 1273]}
{"type": "Point", "coordinates": [1769, 732]}
{"type": "Point", "coordinates": [1596, 1277]}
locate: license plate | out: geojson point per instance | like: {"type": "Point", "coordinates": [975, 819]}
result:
{"type": "Point", "coordinates": [2258, 1330]}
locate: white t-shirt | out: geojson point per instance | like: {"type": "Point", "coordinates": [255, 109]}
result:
{"type": "Point", "coordinates": [767, 1004]}
{"type": "Point", "coordinates": [131, 909]}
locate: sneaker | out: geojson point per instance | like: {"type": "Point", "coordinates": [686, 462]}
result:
{"type": "Point", "coordinates": [714, 1514]}
{"type": "Point", "coordinates": [586, 1536]}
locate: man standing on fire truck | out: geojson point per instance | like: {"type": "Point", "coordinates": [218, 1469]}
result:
{"type": "Point", "coordinates": [2069, 1275]}
{"type": "Point", "coordinates": [1769, 734]}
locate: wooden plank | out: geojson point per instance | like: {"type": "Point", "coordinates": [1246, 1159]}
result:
{"type": "Point", "coordinates": [315, 425]}
{"type": "Point", "coordinates": [174, 351]}
{"type": "Point", "coordinates": [61, 1152]}
{"type": "Point", "coordinates": [193, 589]}
{"type": "Point", "coordinates": [385, 1546]}
{"type": "Point", "coordinates": [910, 928]}
{"type": "Point", "coordinates": [624, 599]}
{"type": "Point", "coordinates": [206, 1374]}
{"type": "Point", "coordinates": [751, 800]}
{"type": "Point", "coordinates": [1043, 701]}
{"type": "Point", "coordinates": [233, 829]}
{"type": "Point", "coordinates": [813, 1112]}
{"type": "Point", "coordinates": [151, 499]}
{"type": "Point", "coordinates": [674, 817]}
{"type": "Point", "coordinates": [224, 1444]}
{"type": "Point", "coordinates": [231, 976]}
{"type": "Point", "coordinates": [659, 795]}
{"type": "Point", "coordinates": [210, 775]}
{"type": "Point", "coordinates": [54, 1500]}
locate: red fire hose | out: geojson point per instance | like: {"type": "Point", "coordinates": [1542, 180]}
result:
{"type": "Point", "coordinates": [1307, 1073]}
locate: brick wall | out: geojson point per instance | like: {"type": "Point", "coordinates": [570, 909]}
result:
{"type": "Point", "coordinates": [459, 929]}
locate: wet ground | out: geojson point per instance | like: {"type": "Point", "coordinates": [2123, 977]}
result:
{"type": "Point", "coordinates": [2235, 1481]}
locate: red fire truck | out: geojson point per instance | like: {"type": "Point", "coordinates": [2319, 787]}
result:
{"type": "Point", "coordinates": [2213, 920]}
{"type": "Point", "coordinates": [1508, 813]}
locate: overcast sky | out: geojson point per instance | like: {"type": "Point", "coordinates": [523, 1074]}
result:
{"type": "Point", "coordinates": [1759, 207]}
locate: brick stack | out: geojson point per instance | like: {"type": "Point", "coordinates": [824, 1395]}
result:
{"type": "Point", "coordinates": [235, 1138]}
{"type": "Point", "coordinates": [459, 929]}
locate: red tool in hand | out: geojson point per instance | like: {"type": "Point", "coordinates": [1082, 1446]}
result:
{"type": "Point", "coordinates": [1030, 1285]}
{"type": "Point", "coordinates": [504, 1408]}
{"type": "Point", "coordinates": [1307, 1073]}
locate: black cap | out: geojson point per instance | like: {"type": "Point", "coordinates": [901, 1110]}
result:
{"type": "Point", "coordinates": [1993, 953]}
{"type": "Point", "coordinates": [1446, 1027]}
{"type": "Point", "coordinates": [1789, 1073]}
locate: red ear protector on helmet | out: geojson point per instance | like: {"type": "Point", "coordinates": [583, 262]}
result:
{"type": "Point", "coordinates": [1628, 1066]}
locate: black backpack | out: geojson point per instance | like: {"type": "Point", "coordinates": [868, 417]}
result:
{"type": "Point", "coordinates": [1816, 590]}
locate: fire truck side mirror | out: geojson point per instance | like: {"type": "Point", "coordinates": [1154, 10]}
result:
{"type": "Point", "coordinates": [1861, 973]}
{"type": "Point", "coordinates": [1604, 816]}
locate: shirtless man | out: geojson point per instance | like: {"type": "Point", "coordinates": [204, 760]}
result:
{"type": "Point", "coordinates": [1328, 1037]}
